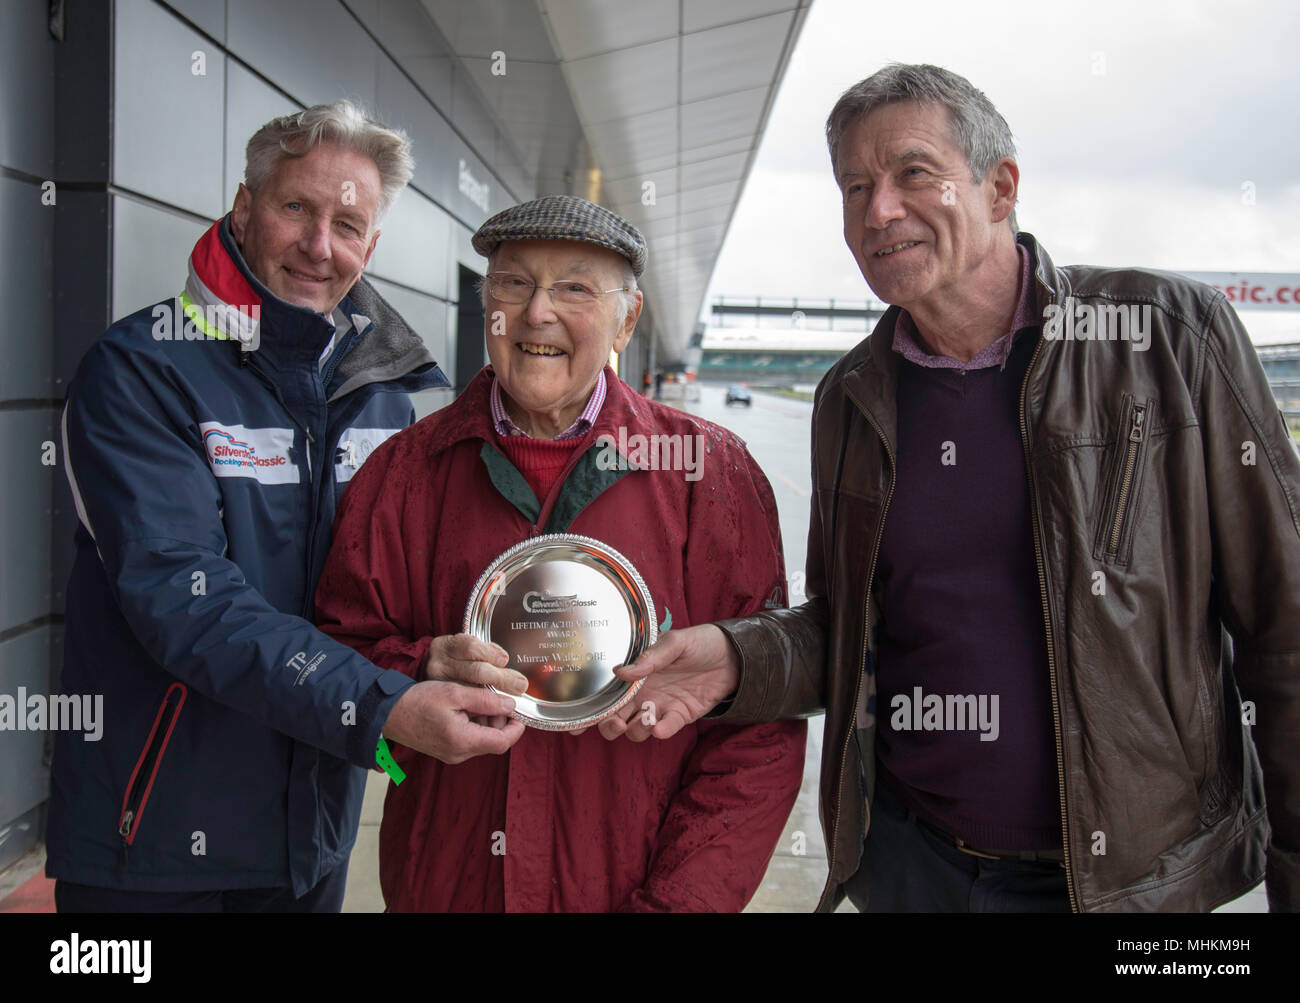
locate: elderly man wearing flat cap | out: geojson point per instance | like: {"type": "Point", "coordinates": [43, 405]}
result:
{"type": "Point", "coordinates": [563, 822]}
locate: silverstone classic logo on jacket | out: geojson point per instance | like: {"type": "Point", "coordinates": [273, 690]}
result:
{"type": "Point", "coordinates": [259, 453]}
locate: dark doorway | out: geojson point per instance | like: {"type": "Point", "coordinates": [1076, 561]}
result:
{"type": "Point", "coordinates": [471, 355]}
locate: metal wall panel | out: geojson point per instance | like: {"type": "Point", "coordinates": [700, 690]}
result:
{"type": "Point", "coordinates": [462, 253]}
{"type": "Point", "coordinates": [83, 89]}
{"type": "Point", "coordinates": [428, 316]}
{"type": "Point", "coordinates": [82, 305]}
{"type": "Point", "coordinates": [365, 10]}
{"type": "Point", "coordinates": [151, 249]}
{"type": "Point", "coordinates": [412, 246]}
{"type": "Point", "coordinates": [520, 183]}
{"type": "Point", "coordinates": [25, 514]}
{"type": "Point", "coordinates": [438, 150]}
{"type": "Point", "coordinates": [26, 290]}
{"type": "Point", "coordinates": [470, 113]}
{"type": "Point", "coordinates": [24, 777]}
{"type": "Point", "coordinates": [81, 274]}
{"type": "Point", "coordinates": [250, 104]}
{"type": "Point", "coordinates": [315, 50]}
{"type": "Point", "coordinates": [404, 28]}
{"type": "Point", "coordinates": [401, 106]}
{"type": "Point", "coordinates": [27, 86]}
{"type": "Point", "coordinates": [167, 118]}
{"type": "Point", "coordinates": [27, 144]}
{"type": "Point", "coordinates": [210, 15]}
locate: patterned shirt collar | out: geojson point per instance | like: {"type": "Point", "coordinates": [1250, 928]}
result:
{"type": "Point", "coordinates": [907, 342]}
{"type": "Point", "coordinates": [342, 325]}
{"type": "Point", "coordinates": [504, 425]}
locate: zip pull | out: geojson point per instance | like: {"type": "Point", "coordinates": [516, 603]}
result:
{"type": "Point", "coordinates": [124, 830]}
{"type": "Point", "coordinates": [1136, 432]}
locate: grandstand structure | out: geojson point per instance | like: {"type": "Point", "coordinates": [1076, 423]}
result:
{"type": "Point", "coordinates": [781, 342]}
{"type": "Point", "coordinates": [1282, 366]}
{"type": "Point", "coordinates": [792, 343]}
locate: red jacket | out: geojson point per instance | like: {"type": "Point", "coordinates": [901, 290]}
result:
{"type": "Point", "coordinates": [585, 825]}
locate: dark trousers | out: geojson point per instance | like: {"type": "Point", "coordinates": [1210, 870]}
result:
{"type": "Point", "coordinates": [908, 867]}
{"type": "Point", "coordinates": [327, 896]}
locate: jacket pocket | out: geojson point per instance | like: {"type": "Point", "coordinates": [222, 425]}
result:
{"type": "Point", "coordinates": [140, 785]}
{"type": "Point", "coordinates": [1115, 528]}
{"type": "Point", "coordinates": [1215, 796]}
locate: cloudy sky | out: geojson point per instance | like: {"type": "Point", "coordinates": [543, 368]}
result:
{"type": "Point", "coordinates": [1137, 125]}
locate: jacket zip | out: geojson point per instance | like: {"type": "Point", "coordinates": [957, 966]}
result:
{"type": "Point", "coordinates": [1047, 623]}
{"type": "Point", "coordinates": [557, 489]}
{"type": "Point", "coordinates": [311, 440]}
{"type": "Point", "coordinates": [866, 634]}
{"type": "Point", "coordinates": [1137, 432]}
{"type": "Point", "coordinates": [146, 768]}
{"type": "Point", "coordinates": [327, 462]}
{"type": "Point", "coordinates": [311, 483]}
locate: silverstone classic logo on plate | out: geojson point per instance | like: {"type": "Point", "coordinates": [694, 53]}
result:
{"type": "Point", "coordinates": [259, 453]}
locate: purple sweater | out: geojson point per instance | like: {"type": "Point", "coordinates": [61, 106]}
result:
{"type": "Point", "coordinates": [965, 735]}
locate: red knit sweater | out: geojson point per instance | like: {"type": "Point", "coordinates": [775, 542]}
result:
{"type": "Point", "coordinates": [540, 460]}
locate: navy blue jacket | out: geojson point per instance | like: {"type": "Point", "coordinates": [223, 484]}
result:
{"type": "Point", "coordinates": [235, 735]}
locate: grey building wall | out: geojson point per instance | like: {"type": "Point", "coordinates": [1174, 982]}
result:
{"type": "Point", "coordinates": [139, 114]}
{"type": "Point", "coordinates": [29, 396]}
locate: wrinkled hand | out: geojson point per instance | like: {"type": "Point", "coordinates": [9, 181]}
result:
{"type": "Point", "coordinates": [687, 673]}
{"type": "Point", "coordinates": [463, 658]}
{"type": "Point", "coordinates": [453, 723]}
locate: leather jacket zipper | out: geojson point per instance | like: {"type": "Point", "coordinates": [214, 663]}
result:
{"type": "Point", "coordinates": [1136, 434]}
{"type": "Point", "coordinates": [146, 769]}
{"type": "Point", "coordinates": [1047, 622]}
{"type": "Point", "coordinates": [866, 635]}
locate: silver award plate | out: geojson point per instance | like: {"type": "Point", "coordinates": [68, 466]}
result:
{"type": "Point", "coordinates": [568, 609]}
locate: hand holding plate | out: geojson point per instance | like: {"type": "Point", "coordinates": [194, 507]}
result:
{"type": "Point", "coordinates": [463, 658]}
{"type": "Point", "coordinates": [687, 673]}
{"type": "Point", "coordinates": [442, 720]}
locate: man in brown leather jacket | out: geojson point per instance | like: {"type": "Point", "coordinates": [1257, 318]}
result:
{"type": "Point", "coordinates": [1065, 494]}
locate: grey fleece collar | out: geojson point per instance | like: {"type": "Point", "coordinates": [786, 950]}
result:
{"type": "Point", "coordinates": [388, 350]}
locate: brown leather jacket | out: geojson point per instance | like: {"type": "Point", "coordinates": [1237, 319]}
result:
{"type": "Point", "coordinates": [1168, 470]}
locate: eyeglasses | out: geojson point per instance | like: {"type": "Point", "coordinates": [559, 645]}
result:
{"type": "Point", "coordinates": [508, 287]}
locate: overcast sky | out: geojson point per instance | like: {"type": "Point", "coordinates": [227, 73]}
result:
{"type": "Point", "coordinates": [1136, 123]}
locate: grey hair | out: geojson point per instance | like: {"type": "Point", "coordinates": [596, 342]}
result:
{"type": "Point", "coordinates": [340, 122]}
{"type": "Point", "coordinates": [978, 128]}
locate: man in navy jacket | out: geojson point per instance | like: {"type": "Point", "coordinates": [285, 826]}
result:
{"type": "Point", "coordinates": [208, 439]}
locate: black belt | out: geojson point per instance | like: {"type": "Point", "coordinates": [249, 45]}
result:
{"type": "Point", "coordinates": [885, 785]}
{"type": "Point", "coordinates": [1028, 856]}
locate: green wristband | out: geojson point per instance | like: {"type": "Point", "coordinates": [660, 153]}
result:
{"type": "Point", "coordinates": [385, 759]}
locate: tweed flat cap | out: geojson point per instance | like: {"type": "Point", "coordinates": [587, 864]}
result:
{"type": "Point", "coordinates": [564, 217]}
